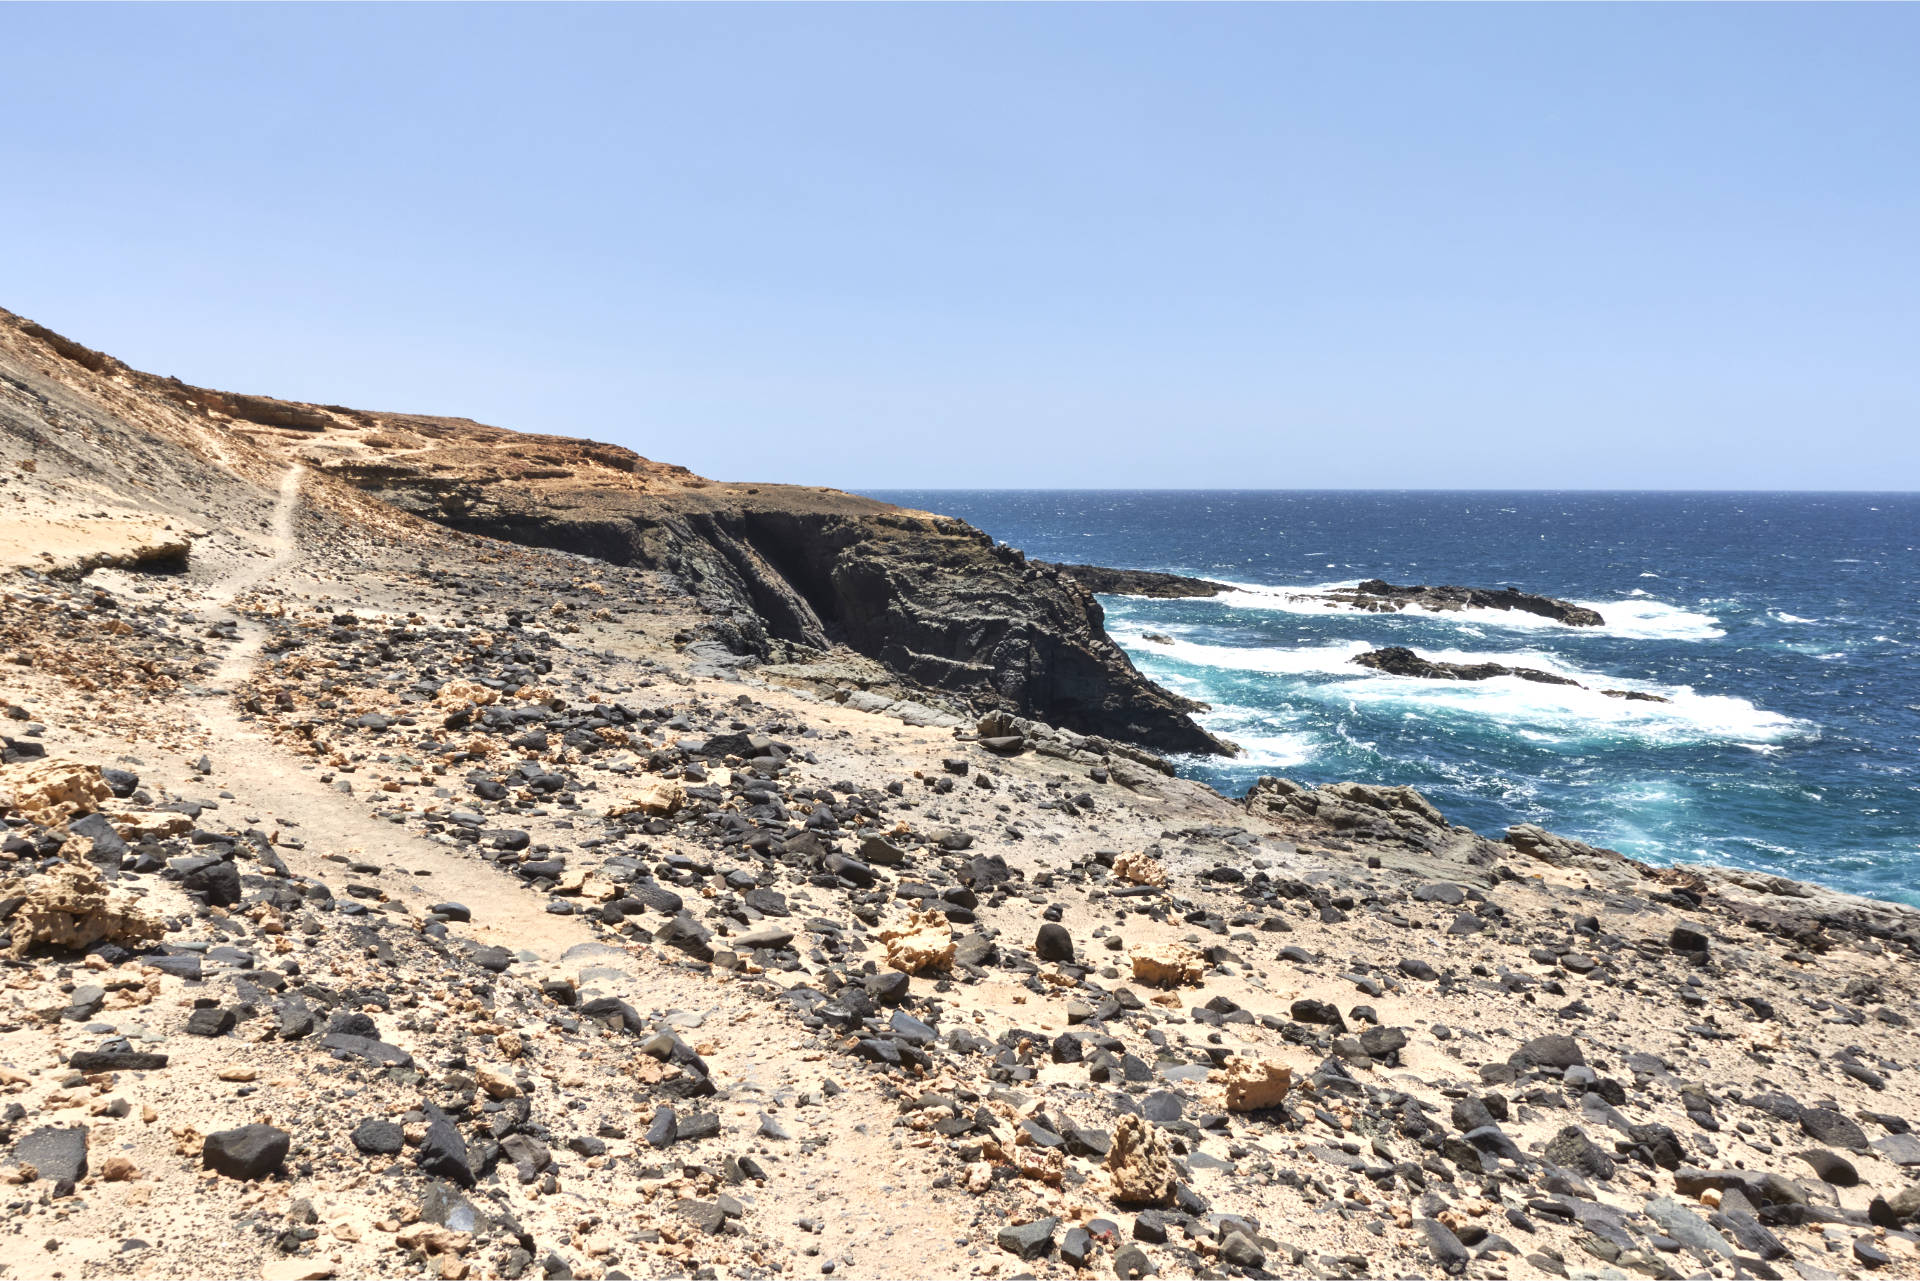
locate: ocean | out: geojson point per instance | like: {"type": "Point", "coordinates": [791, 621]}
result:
{"type": "Point", "coordinates": [1782, 627]}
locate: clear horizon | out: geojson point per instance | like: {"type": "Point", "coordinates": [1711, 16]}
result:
{"type": "Point", "coordinates": [1482, 248]}
{"type": "Point", "coordinates": [1356, 489]}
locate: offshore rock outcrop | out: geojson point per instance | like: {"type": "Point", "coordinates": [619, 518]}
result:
{"type": "Point", "coordinates": [1398, 660]}
{"type": "Point", "coordinates": [1380, 597]}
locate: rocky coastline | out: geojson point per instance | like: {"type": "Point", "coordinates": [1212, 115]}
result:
{"type": "Point", "coordinates": [404, 887]}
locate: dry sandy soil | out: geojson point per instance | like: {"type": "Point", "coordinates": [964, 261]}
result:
{"type": "Point", "coordinates": [384, 901]}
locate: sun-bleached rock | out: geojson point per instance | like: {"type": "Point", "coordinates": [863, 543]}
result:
{"type": "Point", "coordinates": [653, 796]}
{"type": "Point", "coordinates": [1137, 868]}
{"type": "Point", "coordinates": [1254, 1085]}
{"type": "Point", "coordinates": [1139, 1165]}
{"type": "Point", "coordinates": [924, 941]}
{"type": "Point", "coordinates": [52, 790]}
{"type": "Point", "coordinates": [1168, 965]}
{"type": "Point", "coordinates": [465, 693]}
{"type": "Point", "coordinates": [69, 906]}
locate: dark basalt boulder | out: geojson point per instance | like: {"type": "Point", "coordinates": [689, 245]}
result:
{"type": "Point", "coordinates": [250, 1152]}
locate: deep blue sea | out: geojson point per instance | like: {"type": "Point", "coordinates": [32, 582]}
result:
{"type": "Point", "coordinates": [1783, 627]}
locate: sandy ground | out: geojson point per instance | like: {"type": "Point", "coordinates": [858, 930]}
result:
{"type": "Point", "coordinates": [555, 873]}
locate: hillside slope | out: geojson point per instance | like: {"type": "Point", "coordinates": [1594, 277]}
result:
{"type": "Point", "coordinates": [785, 571]}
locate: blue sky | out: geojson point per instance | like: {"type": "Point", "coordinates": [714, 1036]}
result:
{"type": "Point", "coordinates": [866, 246]}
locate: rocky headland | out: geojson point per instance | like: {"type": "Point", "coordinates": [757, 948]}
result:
{"type": "Point", "coordinates": [393, 886]}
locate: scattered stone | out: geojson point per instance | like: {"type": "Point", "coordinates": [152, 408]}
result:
{"type": "Point", "coordinates": [249, 1152]}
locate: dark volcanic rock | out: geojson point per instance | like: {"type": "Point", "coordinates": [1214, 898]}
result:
{"type": "Point", "coordinates": [250, 1152]}
{"type": "Point", "coordinates": [1028, 1240]}
{"type": "Point", "coordinates": [378, 1138]}
{"type": "Point", "coordinates": [1053, 943]}
{"type": "Point", "coordinates": [1571, 1149]}
{"type": "Point", "coordinates": [1138, 582]}
{"type": "Point", "coordinates": [1380, 597]}
{"type": "Point", "coordinates": [217, 878]}
{"type": "Point", "coordinates": [58, 1154]}
{"type": "Point", "coordinates": [1833, 1129]}
{"type": "Point", "coordinates": [930, 597]}
{"type": "Point", "coordinates": [362, 1047]}
{"type": "Point", "coordinates": [1398, 660]}
{"type": "Point", "coordinates": [116, 1061]}
{"type": "Point", "coordinates": [1551, 1051]}
{"type": "Point", "coordinates": [443, 1154]}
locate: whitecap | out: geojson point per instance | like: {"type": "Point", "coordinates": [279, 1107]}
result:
{"type": "Point", "coordinates": [1567, 711]}
{"type": "Point", "coordinates": [1268, 751]}
{"type": "Point", "coordinates": [1637, 616]}
{"type": "Point", "coordinates": [1688, 717]}
{"type": "Point", "coordinates": [1335, 659]}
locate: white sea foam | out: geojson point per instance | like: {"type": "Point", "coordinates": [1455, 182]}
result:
{"type": "Point", "coordinates": [1560, 712]}
{"type": "Point", "coordinates": [1336, 658]}
{"type": "Point", "coordinates": [1583, 713]}
{"type": "Point", "coordinates": [1267, 751]}
{"type": "Point", "coordinates": [1638, 616]}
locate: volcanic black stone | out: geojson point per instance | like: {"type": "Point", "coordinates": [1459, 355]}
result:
{"type": "Point", "coordinates": [214, 1022]}
{"type": "Point", "coordinates": [1832, 1167]}
{"type": "Point", "coordinates": [115, 1061]}
{"type": "Point", "coordinates": [665, 1129]}
{"type": "Point", "coordinates": [362, 1047]}
{"type": "Point", "coordinates": [1553, 1051]}
{"type": "Point", "coordinates": [1684, 938]}
{"type": "Point", "coordinates": [1573, 1150]}
{"type": "Point", "coordinates": [1307, 1010]}
{"type": "Point", "coordinates": [59, 1154]}
{"type": "Point", "coordinates": [1028, 1240]}
{"type": "Point", "coordinates": [1824, 1125]}
{"type": "Point", "coordinates": [250, 1152]}
{"type": "Point", "coordinates": [1054, 943]}
{"type": "Point", "coordinates": [378, 1138]}
{"type": "Point", "coordinates": [442, 1154]}
{"type": "Point", "coordinates": [216, 878]}
{"type": "Point", "coordinates": [1130, 1263]}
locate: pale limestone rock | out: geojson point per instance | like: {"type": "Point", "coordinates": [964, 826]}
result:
{"type": "Point", "coordinates": [923, 942]}
{"type": "Point", "coordinates": [1256, 1084]}
{"type": "Point", "coordinates": [68, 906]}
{"type": "Point", "coordinates": [1139, 1164]}
{"type": "Point", "coordinates": [1168, 965]}
{"type": "Point", "coordinates": [1137, 868]}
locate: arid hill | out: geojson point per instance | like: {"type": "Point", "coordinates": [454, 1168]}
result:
{"type": "Point", "coordinates": [786, 571]}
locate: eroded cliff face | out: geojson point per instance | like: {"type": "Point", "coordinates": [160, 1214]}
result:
{"type": "Point", "coordinates": [783, 570]}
